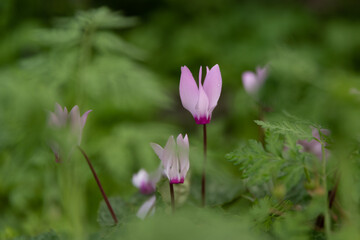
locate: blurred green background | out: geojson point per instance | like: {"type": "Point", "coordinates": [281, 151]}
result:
{"type": "Point", "coordinates": [122, 59]}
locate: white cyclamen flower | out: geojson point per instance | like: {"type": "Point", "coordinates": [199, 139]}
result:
{"type": "Point", "coordinates": [174, 157]}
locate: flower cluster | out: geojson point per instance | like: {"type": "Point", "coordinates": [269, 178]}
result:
{"type": "Point", "coordinates": [200, 100]}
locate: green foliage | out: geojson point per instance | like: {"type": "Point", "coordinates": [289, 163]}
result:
{"type": "Point", "coordinates": [45, 236]}
{"type": "Point", "coordinates": [127, 69]}
{"type": "Point", "coordinates": [80, 61]}
{"type": "Point", "coordinates": [266, 211]}
{"type": "Point", "coordinates": [193, 223]}
{"type": "Point", "coordinates": [293, 127]}
{"type": "Point", "coordinates": [255, 164]}
{"type": "Point", "coordinates": [121, 208]}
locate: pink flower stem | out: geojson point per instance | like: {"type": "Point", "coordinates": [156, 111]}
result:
{"type": "Point", "coordinates": [172, 195]}
{"type": "Point", "coordinates": [203, 180]}
{"type": "Point", "coordinates": [100, 186]}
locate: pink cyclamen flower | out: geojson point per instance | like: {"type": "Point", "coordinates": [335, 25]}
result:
{"type": "Point", "coordinates": [253, 81]}
{"type": "Point", "coordinates": [174, 157]}
{"type": "Point", "coordinates": [314, 146]}
{"type": "Point", "coordinates": [200, 101]}
{"type": "Point", "coordinates": [61, 119]}
{"type": "Point", "coordinates": [146, 182]}
{"type": "Point", "coordinates": [147, 209]}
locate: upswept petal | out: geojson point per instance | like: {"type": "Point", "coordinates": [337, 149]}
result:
{"type": "Point", "coordinates": [61, 114]}
{"type": "Point", "coordinates": [75, 117]}
{"type": "Point", "coordinates": [158, 150]}
{"type": "Point", "coordinates": [139, 178]}
{"type": "Point", "coordinates": [174, 171]}
{"type": "Point", "coordinates": [58, 109]}
{"type": "Point", "coordinates": [212, 85]}
{"type": "Point", "coordinates": [156, 176]}
{"type": "Point", "coordinates": [188, 89]}
{"type": "Point", "coordinates": [75, 123]}
{"type": "Point", "coordinates": [262, 73]}
{"type": "Point", "coordinates": [53, 120]}
{"type": "Point", "coordinates": [147, 209]}
{"type": "Point", "coordinates": [202, 106]}
{"type": "Point", "coordinates": [250, 82]}
{"type": "Point", "coordinates": [168, 157]}
{"type": "Point", "coordinates": [84, 117]}
{"type": "Point", "coordinates": [183, 149]}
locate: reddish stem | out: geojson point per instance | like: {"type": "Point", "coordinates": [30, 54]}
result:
{"type": "Point", "coordinates": [100, 186]}
{"type": "Point", "coordinates": [172, 197]}
{"type": "Point", "coordinates": [203, 180]}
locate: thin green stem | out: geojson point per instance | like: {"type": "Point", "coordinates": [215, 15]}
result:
{"type": "Point", "coordinates": [306, 171]}
{"type": "Point", "coordinates": [203, 180]}
{"type": "Point", "coordinates": [172, 195]}
{"type": "Point", "coordinates": [260, 129]}
{"type": "Point", "coordinates": [326, 204]}
{"type": "Point", "coordinates": [100, 186]}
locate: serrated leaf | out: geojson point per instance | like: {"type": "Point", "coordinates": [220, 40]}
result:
{"type": "Point", "coordinates": [298, 129]}
{"type": "Point", "coordinates": [256, 164]}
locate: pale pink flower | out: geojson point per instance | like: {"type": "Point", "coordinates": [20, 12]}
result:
{"type": "Point", "coordinates": [174, 157]}
{"type": "Point", "coordinates": [253, 81]}
{"type": "Point", "coordinates": [146, 182]}
{"type": "Point", "coordinates": [147, 209]}
{"type": "Point", "coordinates": [61, 119]}
{"type": "Point", "coordinates": [72, 122]}
{"type": "Point", "coordinates": [200, 101]}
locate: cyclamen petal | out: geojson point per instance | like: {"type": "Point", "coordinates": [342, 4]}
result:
{"type": "Point", "coordinates": [212, 85]}
{"type": "Point", "coordinates": [262, 74]}
{"type": "Point", "coordinates": [250, 82]}
{"type": "Point", "coordinates": [138, 178]}
{"type": "Point", "coordinates": [253, 81]}
{"type": "Point", "coordinates": [84, 117]}
{"type": "Point", "coordinates": [61, 115]}
{"type": "Point", "coordinates": [168, 157]}
{"type": "Point", "coordinates": [202, 107]}
{"type": "Point", "coordinates": [200, 100]}
{"type": "Point", "coordinates": [144, 182]}
{"type": "Point", "coordinates": [183, 149]}
{"type": "Point", "coordinates": [188, 90]}
{"type": "Point", "coordinates": [147, 209]}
